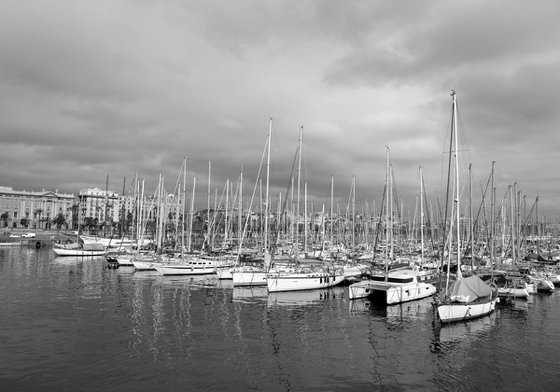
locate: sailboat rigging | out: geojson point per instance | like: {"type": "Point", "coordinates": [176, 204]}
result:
{"type": "Point", "coordinates": [467, 297]}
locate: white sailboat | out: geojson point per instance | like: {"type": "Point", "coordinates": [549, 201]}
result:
{"type": "Point", "coordinates": [301, 276]}
{"type": "Point", "coordinates": [188, 266]}
{"type": "Point", "coordinates": [397, 285]}
{"type": "Point", "coordinates": [254, 274]}
{"type": "Point", "coordinates": [470, 297]}
{"type": "Point", "coordinates": [81, 251]}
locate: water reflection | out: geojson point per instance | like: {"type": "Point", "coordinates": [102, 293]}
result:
{"type": "Point", "coordinates": [464, 332]}
{"type": "Point", "coordinates": [301, 298]}
{"type": "Point", "coordinates": [391, 313]}
{"type": "Point", "coordinates": [248, 294]}
{"type": "Point", "coordinates": [68, 260]}
{"type": "Point", "coordinates": [143, 331]}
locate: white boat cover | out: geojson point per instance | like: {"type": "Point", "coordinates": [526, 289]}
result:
{"type": "Point", "coordinates": [469, 289]}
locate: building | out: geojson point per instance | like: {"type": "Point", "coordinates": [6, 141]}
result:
{"type": "Point", "coordinates": [34, 210]}
{"type": "Point", "coordinates": [102, 205]}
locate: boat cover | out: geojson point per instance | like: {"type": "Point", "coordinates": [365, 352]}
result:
{"type": "Point", "coordinates": [469, 289]}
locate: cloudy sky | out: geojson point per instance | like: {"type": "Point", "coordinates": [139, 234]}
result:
{"type": "Point", "coordinates": [124, 87]}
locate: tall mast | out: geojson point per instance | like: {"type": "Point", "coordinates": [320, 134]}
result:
{"type": "Point", "coordinates": [226, 216]}
{"type": "Point", "coordinates": [391, 215]}
{"type": "Point", "coordinates": [538, 227]}
{"type": "Point", "coordinates": [492, 220]}
{"type": "Point", "coordinates": [387, 235]}
{"type": "Point", "coordinates": [457, 189]}
{"type": "Point", "coordinates": [512, 228]}
{"type": "Point", "coordinates": [266, 200]}
{"type": "Point", "coordinates": [353, 212]}
{"type": "Point", "coordinates": [305, 217]}
{"type": "Point", "coordinates": [421, 218]}
{"type": "Point", "coordinates": [331, 214]}
{"type": "Point", "coordinates": [214, 216]}
{"type": "Point", "coordinates": [471, 223]}
{"type": "Point", "coordinates": [292, 209]}
{"type": "Point", "coordinates": [240, 206]}
{"type": "Point", "coordinates": [208, 203]}
{"type": "Point", "coordinates": [300, 145]}
{"type": "Point", "coordinates": [191, 215]}
{"type": "Point", "coordinates": [184, 206]}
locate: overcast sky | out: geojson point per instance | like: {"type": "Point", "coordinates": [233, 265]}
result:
{"type": "Point", "coordinates": [118, 87]}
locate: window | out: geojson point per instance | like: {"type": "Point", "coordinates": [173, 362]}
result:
{"type": "Point", "coordinates": [15, 214]}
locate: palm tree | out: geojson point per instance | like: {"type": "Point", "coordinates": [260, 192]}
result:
{"type": "Point", "coordinates": [24, 222]}
{"type": "Point", "coordinates": [89, 223]}
{"type": "Point", "coordinates": [60, 220]}
{"type": "Point", "coordinates": [38, 211]}
{"type": "Point", "coordinates": [4, 217]}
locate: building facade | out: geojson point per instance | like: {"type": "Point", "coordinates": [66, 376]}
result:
{"type": "Point", "coordinates": [102, 205]}
{"type": "Point", "coordinates": [34, 210]}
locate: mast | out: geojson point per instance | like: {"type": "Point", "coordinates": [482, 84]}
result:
{"type": "Point", "coordinates": [300, 145]}
{"type": "Point", "coordinates": [122, 213]}
{"type": "Point", "coordinates": [538, 228]}
{"type": "Point", "coordinates": [386, 211]}
{"type": "Point", "coordinates": [226, 216]}
{"type": "Point", "coordinates": [457, 189]}
{"type": "Point", "coordinates": [444, 228]}
{"type": "Point", "coordinates": [208, 203]}
{"type": "Point", "coordinates": [421, 218]}
{"type": "Point", "coordinates": [512, 226]}
{"type": "Point", "coordinates": [266, 200]}
{"type": "Point", "coordinates": [184, 206]}
{"type": "Point", "coordinates": [305, 217]}
{"type": "Point", "coordinates": [331, 214]}
{"type": "Point", "coordinates": [240, 206]}
{"type": "Point", "coordinates": [353, 212]}
{"type": "Point", "coordinates": [191, 216]}
{"type": "Point", "coordinates": [471, 228]}
{"type": "Point", "coordinates": [391, 215]}
{"type": "Point", "coordinates": [492, 213]}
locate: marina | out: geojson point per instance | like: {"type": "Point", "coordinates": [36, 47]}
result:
{"type": "Point", "coordinates": [71, 323]}
{"type": "Point", "coordinates": [279, 196]}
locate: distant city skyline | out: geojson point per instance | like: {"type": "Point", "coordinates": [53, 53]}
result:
{"type": "Point", "coordinates": [129, 88]}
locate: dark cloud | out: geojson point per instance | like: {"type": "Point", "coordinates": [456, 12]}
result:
{"type": "Point", "coordinates": [129, 87]}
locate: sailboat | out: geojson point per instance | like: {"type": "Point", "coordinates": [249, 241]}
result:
{"type": "Point", "coordinates": [300, 276]}
{"type": "Point", "coordinates": [467, 297]}
{"type": "Point", "coordinates": [79, 248]}
{"type": "Point", "coordinates": [254, 273]}
{"type": "Point", "coordinates": [396, 285]}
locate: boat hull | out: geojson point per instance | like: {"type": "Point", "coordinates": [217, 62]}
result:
{"type": "Point", "coordinates": [391, 293]}
{"type": "Point", "coordinates": [184, 270]}
{"type": "Point", "coordinates": [249, 278]}
{"type": "Point", "coordinates": [224, 273]}
{"type": "Point", "coordinates": [302, 281]}
{"type": "Point", "coordinates": [78, 252]}
{"type": "Point", "coordinates": [124, 261]}
{"type": "Point", "coordinates": [456, 311]}
{"type": "Point", "coordinates": [143, 265]}
{"type": "Point", "coordinates": [544, 285]}
{"type": "Point", "coordinates": [512, 292]}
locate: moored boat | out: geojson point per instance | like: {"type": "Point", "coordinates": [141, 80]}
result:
{"type": "Point", "coordinates": [303, 278]}
{"type": "Point", "coordinates": [468, 298]}
{"type": "Point", "coordinates": [79, 250]}
{"type": "Point", "coordinates": [192, 266]}
{"type": "Point", "coordinates": [399, 285]}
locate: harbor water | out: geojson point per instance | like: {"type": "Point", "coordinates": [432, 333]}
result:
{"type": "Point", "coordinates": [72, 324]}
